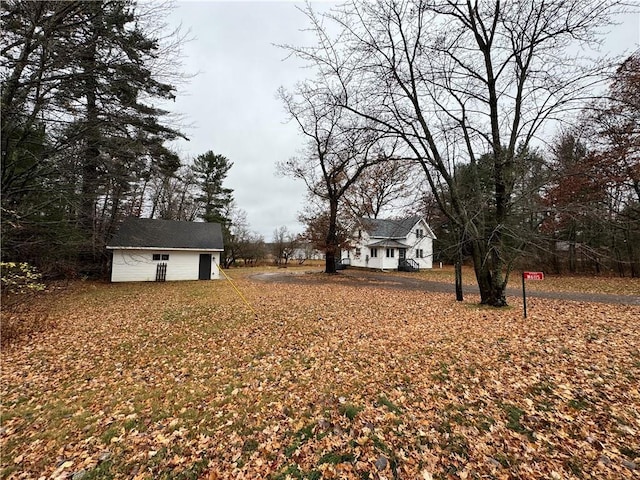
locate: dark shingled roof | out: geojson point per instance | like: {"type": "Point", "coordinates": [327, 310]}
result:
{"type": "Point", "coordinates": [151, 233]}
{"type": "Point", "coordinates": [385, 228]}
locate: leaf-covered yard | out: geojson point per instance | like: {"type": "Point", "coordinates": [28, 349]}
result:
{"type": "Point", "coordinates": [180, 380]}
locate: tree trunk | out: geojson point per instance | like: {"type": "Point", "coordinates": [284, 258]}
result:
{"type": "Point", "coordinates": [572, 250]}
{"type": "Point", "coordinates": [332, 238]}
{"type": "Point", "coordinates": [489, 277]}
{"type": "Point", "coordinates": [459, 295]}
{"type": "Point", "coordinates": [91, 158]}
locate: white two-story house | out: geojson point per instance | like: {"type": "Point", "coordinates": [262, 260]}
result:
{"type": "Point", "coordinates": [392, 244]}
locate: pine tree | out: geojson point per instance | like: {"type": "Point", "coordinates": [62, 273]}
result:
{"type": "Point", "coordinates": [211, 170]}
{"type": "Point", "coordinates": [78, 79]}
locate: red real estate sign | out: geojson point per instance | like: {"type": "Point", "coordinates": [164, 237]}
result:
{"type": "Point", "coordinates": [533, 275]}
{"type": "Point", "coordinates": [529, 276]}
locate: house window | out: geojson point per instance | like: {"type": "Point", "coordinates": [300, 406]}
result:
{"type": "Point", "coordinates": [374, 252]}
{"type": "Point", "coordinates": [158, 256]}
{"type": "Point", "coordinates": [419, 253]}
{"type": "Point", "coordinates": [390, 252]}
{"type": "Point", "coordinates": [165, 256]}
{"type": "Point", "coordinates": [358, 252]}
{"type": "Point", "coordinates": [359, 233]}
{"type": "Point", "coordinates": [419, 233]}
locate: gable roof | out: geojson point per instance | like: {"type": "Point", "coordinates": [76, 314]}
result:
{"type": "Point", "coordinates": [167, 234]}
{"type": "Point", "coordinates": [387, 228]}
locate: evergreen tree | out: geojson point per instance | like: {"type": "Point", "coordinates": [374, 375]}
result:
{"type": "Point", "coordinates": [211, 170]}
{"type": "Point", "coordinates": [79, 131]}
{"type": "Point", "coordinates": [120, 135]}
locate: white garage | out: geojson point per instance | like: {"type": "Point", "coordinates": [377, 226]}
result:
{"type": "Point", "coordinates": [147, 250]}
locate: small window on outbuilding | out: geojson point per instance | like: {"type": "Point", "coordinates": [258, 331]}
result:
{"type": "Point", "coordinates": [156, 256]}
{"type": "Point", "coordinates": [165, 256]}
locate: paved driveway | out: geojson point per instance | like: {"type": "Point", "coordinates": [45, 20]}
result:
{"type": "Point", "coordinates": [364, 278]}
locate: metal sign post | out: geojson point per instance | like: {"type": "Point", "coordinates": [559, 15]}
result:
{"type": "Point", "coordinates": [529, 276]}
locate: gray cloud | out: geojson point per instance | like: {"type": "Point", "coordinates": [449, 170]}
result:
{"type": "Point", "coordinates": [231, 103]}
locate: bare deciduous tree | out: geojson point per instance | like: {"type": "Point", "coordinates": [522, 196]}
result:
{"type": "Point", "coordinates": [284, 245]}
{"type": "Point", "coordinates": [242, 244]}
{"type": "Point", "coordinates": [339, 148]}
{"type": "Point", "coordinates": [315, 218]}
{"type": "Point", "coordinates": [388, 184]}
{"type": "Point", "coordinates": [456, 80]}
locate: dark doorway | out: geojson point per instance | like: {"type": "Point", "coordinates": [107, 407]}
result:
{"type": "Point", "coordinates": [204, 272]}
{"type": "Point", "coordinates": [402, 255]}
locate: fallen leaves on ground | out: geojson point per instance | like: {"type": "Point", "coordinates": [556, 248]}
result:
{"type": "Point", "coordinates": [180, 380]}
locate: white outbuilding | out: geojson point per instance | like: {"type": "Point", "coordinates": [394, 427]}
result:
{"type": "Point", "coordinates": [147, 250]}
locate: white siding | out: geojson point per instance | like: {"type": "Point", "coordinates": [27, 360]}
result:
{"type": "Point", "coordinates": [426, 244]}
{"type": "Point", "coordinates": [139, 266]}
{"type": "Point", "coordinates": [366, 260]}
{"type": "Point", "coordinates": [361, 260]}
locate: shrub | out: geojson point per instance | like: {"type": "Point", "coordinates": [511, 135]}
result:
{"type": "Point", "coordinates": [21, 315]}
{"type": "Point", "coordinates": [19, 279]}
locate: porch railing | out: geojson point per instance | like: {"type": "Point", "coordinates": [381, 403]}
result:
{"type": "Point", "coordinates": [408, 265]}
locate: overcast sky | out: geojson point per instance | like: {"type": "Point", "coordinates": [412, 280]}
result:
{"type": "Point", "coordinates": [232, 106]}
{"type": "Point", "coordinates": [231, 103]}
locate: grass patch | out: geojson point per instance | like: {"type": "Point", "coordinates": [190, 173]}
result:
{"type": "Point", "coordinates": [380, 445]}
{"type": "Point", "coordinates": [578, 403]}
{"type": "Point", "coordinates": [484, 422]}
{"type": "Point", "coordinates": [102, 471]}
{"type": "Point", "coordinates": [506, 461]}
{"type": "Point", "coordinates": [457, 445]}
{"type": "Point", "coordinates": [393, 408]}
{"type": "Point", "coordinates": [575, 465]}
{"type": "Point", "coordinates": [109, 434]}
{"type": "Point", "coordinates": [349, 410]}
{"type": "Point", "coordinates": [250, 445]}
{"type": "Point", "coordinates": [442, 375]}
{"type": "Point", "coordinates": [293, 471]}
{"type": "Point", "coordinates": [541, 388]}
{"type": "Point", "coordinates": [334, 458]}
{"type": "Point", "coordinates": [301, 436]}
{"type": "Point", "coordinates": [457, 414]}
{"type": "Point", "coordinates": [514, 415]}
{"type": "Point", "coordinates": [630, 453]}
